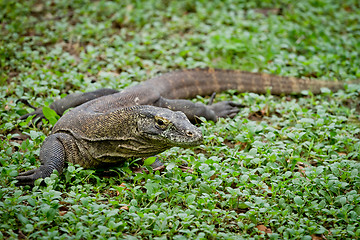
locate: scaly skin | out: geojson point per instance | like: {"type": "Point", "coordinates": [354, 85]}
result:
{"type": "Point", "coordinates": [108, 139]}
{"type": "Point", "coordinates": [107, 127]}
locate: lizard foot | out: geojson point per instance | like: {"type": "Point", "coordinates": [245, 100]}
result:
{"type": "Point", "coordinates": [157, 163]}
{"type": "Point", "coordinates": [226, 109]}
{"type": "Point", "coordinates": [29, 177]}
{"type": "Point", "coordinates": [38, 113]}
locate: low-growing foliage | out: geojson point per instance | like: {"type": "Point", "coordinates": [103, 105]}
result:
{"type": "Point", "coordinates": [286, 167]}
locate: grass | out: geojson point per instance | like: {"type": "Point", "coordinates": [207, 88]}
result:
{"type": "Point", "coordinates": [285, 167]}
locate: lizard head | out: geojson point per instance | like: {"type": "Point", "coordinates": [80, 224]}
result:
{"type": "Point", "coordinates": [168, 128]}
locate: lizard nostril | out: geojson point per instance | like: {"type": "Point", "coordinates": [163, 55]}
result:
{"type": "Point", "coordinates": [189, 133]}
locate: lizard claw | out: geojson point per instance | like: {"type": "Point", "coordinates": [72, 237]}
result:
{"type": "Point", "coordinates": [226, 109]}
{"type": "Point", "coordinates": [37, 120]}
{"type": "Point", "coordinates": [38, 113]}
{"type": "Point", "coordinates": [29, 177]}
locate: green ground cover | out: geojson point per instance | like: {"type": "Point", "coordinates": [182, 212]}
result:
{"type": "Point", "coordinates": [284, 168]}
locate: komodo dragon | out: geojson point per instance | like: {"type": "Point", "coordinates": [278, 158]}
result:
{"type": "Point", "coordinates": [106, 127]}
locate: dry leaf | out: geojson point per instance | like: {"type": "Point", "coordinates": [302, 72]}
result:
{"type": "Point", "coordinates": [62, 213]}
{"type": "Point", "coordinates": [263, 229]}
{"type": "Point", "coordinates": [317, 237]}
{"type": "Point", "coordinates": [122, 185]}
{"type": "Point", "coordinates": [125, 208]}
{"type": "Point", "coordinates": [186, 169]}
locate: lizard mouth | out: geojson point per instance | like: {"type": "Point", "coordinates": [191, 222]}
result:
{"type": "Point", "coordinates": [188, 138]}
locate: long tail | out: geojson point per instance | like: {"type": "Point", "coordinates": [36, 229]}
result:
{"type": "Point", "coordinates": [192, 82]}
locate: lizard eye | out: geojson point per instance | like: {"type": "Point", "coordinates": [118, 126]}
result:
{"type": "Point", "coordinates": [161, 122]}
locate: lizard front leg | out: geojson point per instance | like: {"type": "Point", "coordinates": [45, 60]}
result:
{"type": "Point", "coordinates": [52, 156]}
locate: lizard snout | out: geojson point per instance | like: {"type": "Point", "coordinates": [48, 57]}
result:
{"type": "Point", "coordinates": [189, 133]}
{"type": "Point", "coordinates": [195, 136]}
